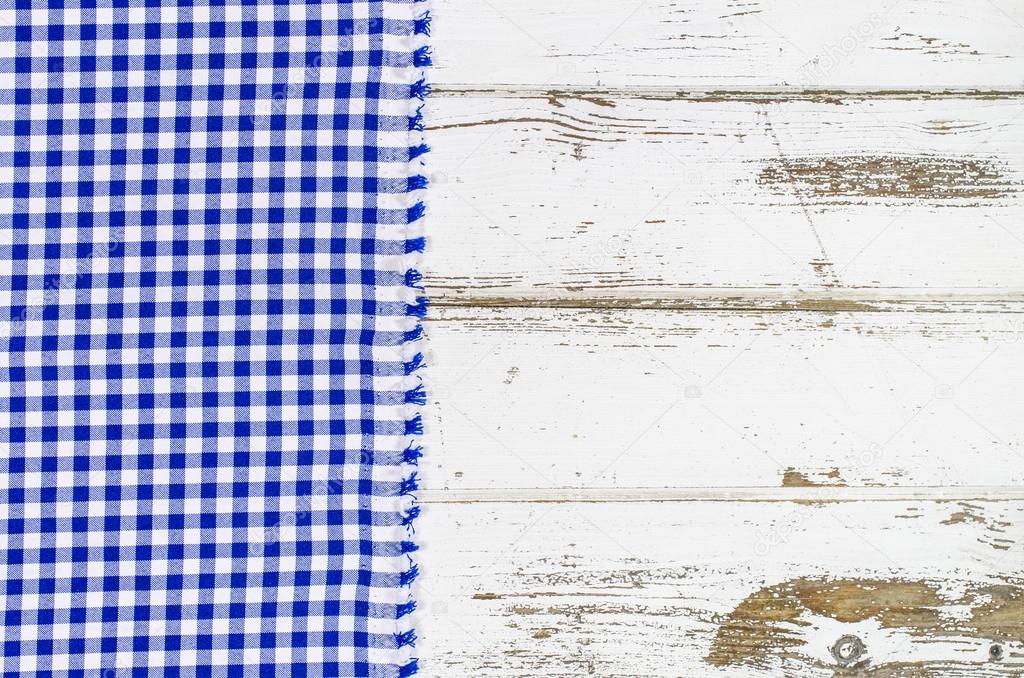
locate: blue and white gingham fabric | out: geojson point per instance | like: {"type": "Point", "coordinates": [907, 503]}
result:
{"type": "Point", "coordinates": [208, 406]}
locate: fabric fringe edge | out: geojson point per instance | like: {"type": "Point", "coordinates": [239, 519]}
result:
{"type": "Point", "coordinates": [415, 393]}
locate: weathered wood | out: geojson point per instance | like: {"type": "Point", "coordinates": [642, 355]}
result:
{"type": "Point", "coordinates": [562, 398]}
{"type": "Point", "coordinates": [555, 198]}
{"type": "Point", "coordinates": [725, 344]}
{"type": "Point", "coordinates": [736, 299]}
{"type": "Point", "coordinates": [718, 589]}
{"type": "Point", "coordinates": [886, 176]}
{"type": "Point", "coordinates": [722, 44]}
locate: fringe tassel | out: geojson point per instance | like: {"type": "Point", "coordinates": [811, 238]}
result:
{"type": "Point", "coordinates": [416, 121]}
{"type": "Point", "coordinates": [411, 516]}
{"type": "Point", "coordinates": [402, 609]}
{"type": "Point", "coordinates": [409, 576]}
{"type": "Point", "coordinates": [420, 89]}
{"type": "Point", "coordinates": [405, 639]}
{"type": "Point", "coordinates": [414, 426]}
{"type": "Point", "coordinates": [416, 396]}
{"type": "Point", "coordinates": [421, 26]}
{"type": "Point", "coordinates": [419, 309]}
{"type": "Point", "coordinates": [415, 334]}
{"type": "Point", "coordinates": [421, 57]}
{"type": "Point", "coordinates": [412, 454]}
{"type": "Point", "coordinates": [413, 278]}
{"type": "Point", "coordinates": [416, 213]}
{"type": "Point", "coordinates": [409, 485]}
{"type": "Point", "coordinates": [414, 364]}
{"type": "Point", "coordinates": [418, 150]}
{"type": "Point", "coordinates": [415, 244]}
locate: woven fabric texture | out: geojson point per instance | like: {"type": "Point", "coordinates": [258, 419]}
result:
{"type": "Point", "coordinates": [208, 398]}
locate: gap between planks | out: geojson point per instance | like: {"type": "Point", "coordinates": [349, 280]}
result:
{"type": "Point", "coordinates": [820, 494]}
{"type": "Point", "coordinates": [834, 300]}
{"type": "Point", "coordinates": [767, 94]}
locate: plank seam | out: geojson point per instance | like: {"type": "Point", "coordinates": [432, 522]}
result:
{"type": "Point", "coordinates": [710, 95]}
{"type": "Point", "coordinates": [822, 495]}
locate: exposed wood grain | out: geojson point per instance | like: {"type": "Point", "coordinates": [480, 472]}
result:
{"type": "Point", "coordinates": [881, 176]}
{"type": "Point", "coordinates": [833, 477]}
{"type": "Point", "coordinates": [553, 198]}
{"type": "Point", "coordinates": [728, 43]}
{"type": "Point", "coordinates": [766, 625]}
{"type": "Point", "coordinates": [734, 299]}
{"type": "Point", "coordinates": [719, 589]}
{"type": "Point", "coordinates": [552, 398]}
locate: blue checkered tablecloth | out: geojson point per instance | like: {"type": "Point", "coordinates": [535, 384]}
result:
{"type": "Point", "coordinates": [208, 406]}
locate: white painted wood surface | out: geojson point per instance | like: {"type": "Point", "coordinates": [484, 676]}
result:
{"type": "Point", "coordinates": [654, 399]}
{"type": "Point", "coordinates": [730, 44]}
{"type": "Point", "coordinates": [568, 589]}
{"type": "Point", "coordinates": [726, 346]}
{"type": "Point", "coordinates": [650, 197]}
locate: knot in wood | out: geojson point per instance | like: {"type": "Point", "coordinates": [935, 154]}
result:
{"type": "Point", "coordinates": [848, 650]}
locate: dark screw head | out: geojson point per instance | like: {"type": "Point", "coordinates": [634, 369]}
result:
{"type": "Point", "coordinates": [848, 650]}
{"type": "Point", "coordinates": [995, 652]}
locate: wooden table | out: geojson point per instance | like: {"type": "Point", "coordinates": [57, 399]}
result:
{"type": "Point", "coordinates": [727, 345]}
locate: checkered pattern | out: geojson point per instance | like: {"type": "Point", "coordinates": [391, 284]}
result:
{"type": "Point", "coordinates": [208, 406]}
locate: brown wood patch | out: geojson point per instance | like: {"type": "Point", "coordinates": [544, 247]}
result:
{"type": "Point", "coordinates": [887, 176]}
{"type": "Point", "coordinates": [773, 625]}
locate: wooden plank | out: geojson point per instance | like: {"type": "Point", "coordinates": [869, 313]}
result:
{"type": "Point", "coordinates": [738, 590]}
{"type": "Point", "coordinates": [714, 44]}
{"type": "Point", "coordinates": [641, 199]}
{"type": "Point", "coordinates": [591, 400]}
